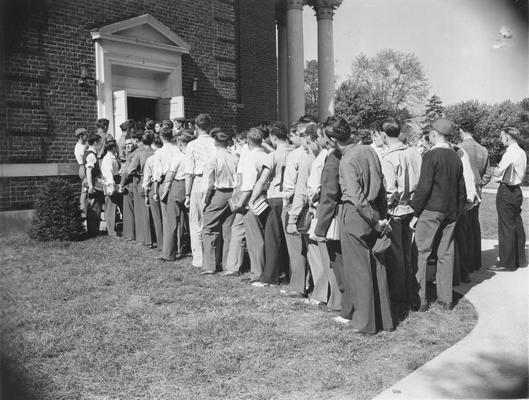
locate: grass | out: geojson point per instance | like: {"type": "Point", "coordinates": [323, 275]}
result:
{"type": "Point", "coordinates": [102, 319]}
{"type": "Point", "coordinates": [488, 216]}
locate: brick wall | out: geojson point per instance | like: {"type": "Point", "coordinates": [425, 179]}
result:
{"type": "Point", "coordinates": [232, 54]}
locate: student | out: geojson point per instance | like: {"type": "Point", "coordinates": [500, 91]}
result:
{"type": "Point", "coordinates": [126, 188]}
{"type": "Point", "coordinates": [439, 200]}
{"type": "Point", "coordinates": [272, 178]}
{"type": "Point", "coordinates": [110, 170]}
{"type": "Point", "coordinates": [102, 130]}
{"type": "Point", "coordinates": [198, 154]}
{"type": "Point", "coordinates": [92, 182]}
{"type": "Point", "coordinates": [220, 175]}
{"type": "Point", "coordinates": [510, 173]}
{"type": "Point", "coordinates": [150, 173]}
{"type": "Point", "coordinates": [79, 151]}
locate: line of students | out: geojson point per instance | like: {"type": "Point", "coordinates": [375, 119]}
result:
{"type": "Point", "coordinates": [311, 203]}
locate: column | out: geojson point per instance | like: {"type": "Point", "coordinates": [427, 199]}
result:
{"type": "Point", "coordinates": [326, 90]}
{"type": "Point", "coordinates": [295, 64]}
{"type": "Point", "coordinates": [282, 65]}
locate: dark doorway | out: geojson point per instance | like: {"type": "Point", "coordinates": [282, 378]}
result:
{"type": "Point", "coordinates": [139, 108]}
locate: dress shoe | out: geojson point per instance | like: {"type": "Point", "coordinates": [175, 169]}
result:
{"type": "Point", "coordinates": [501, 268]}
{"type": "Point", "coordinates": [151, 246]}
{"type": "Point", "coordinates": [208, 272]}
{"type": "Point", "coordinates": [230, 273]}
{"type": "Point", "coordinates": [419, 307]}
{"type": "Point", "coordinates": [163, 259]}
{"type": "Point", "coordinates": [262, 284]}
{"type": "Point", "coordinates": [312, 302]}
{"type": "Point", "coordinates": [445, 306]}
{"type": "Point", "coordinates": [291, 293]}
{"type": "Point", "coordinates": [341, 320]}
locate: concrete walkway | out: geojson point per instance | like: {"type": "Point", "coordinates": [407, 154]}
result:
{"type": "Point", "coordinates": [492, 361]}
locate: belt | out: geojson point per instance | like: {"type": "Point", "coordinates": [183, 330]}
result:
{"type": "Point", "coordinates": [224, 189]}
{"type": "Point", "coordinates": [510, 186]}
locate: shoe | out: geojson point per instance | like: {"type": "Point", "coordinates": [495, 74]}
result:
{"type": "Point", "coordinates": [230, 273]}
{"type": "Point", "coordinates": [208, 272]}
{"type": "Point", "coordinates": [445, 306]}
{"type": "Point", "coordinates": [419, 307]}
{"type": "Point", "coordinates": [260, 284]}
{"type": "Point", "coordinates": [291, 293]}
{"type": "Point", "coordinates": [151, 246]}
{"type": "Point", "coordinates": [466, 279]}
{"type": "Point", "coordinates": [163, 259]}
{"type": "Point", "coordinates": [312, 302]}
{"type": "Point", "coordinates": [500, 268]}
{"type": "Point", "coordinates": [341, 320]}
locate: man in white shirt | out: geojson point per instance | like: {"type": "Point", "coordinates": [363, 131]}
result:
{"type": "Point", "coordinates": [110, 170]}
{"type": "Point", "coordinates": [79, 150]}
{"type": "Point", "coordinates": [150, 175]}
{"type": "Point", "coordinates": [92, 183]}
{"type": "Point", "coordinates": [198, 153]}
{"type": "Point", "coordinates": [510, 173]}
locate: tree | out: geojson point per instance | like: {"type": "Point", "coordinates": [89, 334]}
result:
{"type": "Point", "coordinates": [434, 109]}
{"type": "Point", "coordinates": [311, 87]}
{"type": "Point", "coordinates": [389, 84]}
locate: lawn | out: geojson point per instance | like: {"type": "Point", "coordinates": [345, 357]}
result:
{"type": "Point", "coordinates": [102, 319]}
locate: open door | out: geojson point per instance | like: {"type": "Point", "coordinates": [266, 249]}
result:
{"type": "Point", "coordinates": [120, 111]}
{"type": "Point", "coordinates": [170, 108]}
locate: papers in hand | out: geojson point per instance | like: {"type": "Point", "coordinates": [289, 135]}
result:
{"type": "Point", "coordinates": [259, 205]}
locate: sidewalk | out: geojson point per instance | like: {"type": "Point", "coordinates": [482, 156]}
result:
{"type": "Point", "coordinates": [492, 361]}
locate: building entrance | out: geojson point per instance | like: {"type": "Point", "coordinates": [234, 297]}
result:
{"type": "Point", "coordinates": [140, 109]}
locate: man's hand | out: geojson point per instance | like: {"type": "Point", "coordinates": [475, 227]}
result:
{"type": "Point", "coordinates": [91, 190]}
{"type": "Point", "coordinates": [292, 229]}
{"type": "Point", "coordinates": [319, 239]}
{"type": "Point", "coordinates": [156, 197]}
{"type": "Point", "coordinates": [186, 201]}
{"type": "Point", "coordinates": [381, 225]}
{"type": "Point", "coordinates": [469, 205]}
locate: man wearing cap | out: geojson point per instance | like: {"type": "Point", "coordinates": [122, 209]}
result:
{"type": "Point", "coordinates": [125, 135]}
{"type": "Point", "coordinates": [102, 130]}
{"type": "Point", "coordinates": [93, 182]}
{"type": "Point", "coordinates": [510, 173]}
{"type": "Point", "coordinates": [439, 199]}
{"type": "Point", "coordinates": [79, 150]}
{"type": "Point", "coordinates": [110, 170]}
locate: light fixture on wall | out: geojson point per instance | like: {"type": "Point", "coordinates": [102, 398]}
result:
{"type": "Point", "coordinates": [194, 88]}
{"type": "Point", "coordinates": [83, 74]}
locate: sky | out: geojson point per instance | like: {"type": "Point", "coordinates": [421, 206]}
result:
{"type": "Point", "coordinates": [458, 42]}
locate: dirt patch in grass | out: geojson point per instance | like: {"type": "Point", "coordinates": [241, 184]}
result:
{"type": "Point", "coordinates": [103, 319]}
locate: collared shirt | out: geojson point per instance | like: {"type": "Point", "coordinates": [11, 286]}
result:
{"type": "Point", "coordinates": [479, 160]}
{"type": "Point", "coordinates": [300, 198]}
{"type": "Point", "coordinates": [314, 180]}
{"type": "Point", "coordinates": [468, 175]}
{"type": "Point", "coordinates": [198, 153]}
{"type": "Point", "coordinates": [173, 160]}
{"type": "Point", "coordinates": [361, 182]}
{"type": "Point", "coordinates": [401, 167]}
{"type": "Point", "coordinates": [378, 150]}
{"type": "Point", "coordinates": [295, 158]}
{"type": "Point", "coordinates": [91, 158]}
{"type": "Point", "coordinates": [221, 171]}
{"type": "Point", "coordinates": [250, 166]}
{"type": "Point", "coordinates": [137, 165]}
{"type": "Point", "coordinates": [157, 165]}
{"type": "Point", "coordinates": [109, 168]}
{"type": "Point", "coordinates": [148, 172]}
{"type": "Point", "coordinates": [514, 155]}
{"type": "Point", "coordinates": [276, 162]}
{"type": "Point", "coordinates": [79, 152]}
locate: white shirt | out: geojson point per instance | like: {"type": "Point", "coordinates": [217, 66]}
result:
{"type": "Point", "coordinates": [79, 152]}
{"type": "Point", "coordinates": [169, 155]}
{"type": "Point", "coordinates": [314, 181]}
{"type": "Point", "coordinates": [294, 160]}
{"type": "Point", "coordinates": [198, 153]}
{"type": "Point", "coordinates": [109, 168]}
{"type": "Point", "coordinates": [514, 155]}
{"type": "Point", "coordinates": [250, 167]}
{"type": "Point", "coordinates": [148, 172]}
{"type": "Point", "coordinates": [468, 176]}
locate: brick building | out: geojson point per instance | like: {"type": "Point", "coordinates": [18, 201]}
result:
{"type": "Point", "coordinates": [65, 63]}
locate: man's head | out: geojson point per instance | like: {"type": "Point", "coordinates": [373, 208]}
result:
{"type": "Point", "coordinates": [378, 138]}
{"type": "Point", "coordinates": [254, 137]}
{"type": "Point", "coordinates": [390, 127]}
{"type": "Point", "coordinates": [166, 134]}
{"type": "Point", "coordinates": [310, 139]}
{"type": "Point", "coordinates": [93, 138]}
{"type": "Point", "coordinates": [147, 138]}
{"type": "Point", "coordinates": [157, 143]}
{"type": "Point", "coordinates": [178, 123]}
{"type": "Point", "coordinates": [81, 134]}
{"type": "Point", "coordinates": [166, 123]}
{"type": "Point", "coordinates": [221, 139]}
{"type": "Point", "coordinates": [278, 133]}
{"type": "Point", "coordinates": [157, 127]}
{"type": "Point", "coordinates": [137, 137]}
{"type": "Point", "coordinates": [337, 130]}
{"type": "Point", "coordinates": [185, 136]}
{"type": "Point", "coordinates": [510, 135]}
{"type": "Point", "coordinates": [124, 126]}
{"type": "Point", "coordinates": [111, 146]}
{"type": "Point", "coordinates": [440, 131]}
{"type": "Point", "coordinates": [102, 125]}
{"type": "Point", "coordinates": [203, 123]}
{"type": "Point", "coordinates": [150, 124]}
{"type": "Point", "coordinates": [294, 135]}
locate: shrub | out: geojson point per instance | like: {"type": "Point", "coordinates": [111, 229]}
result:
{"type": "Point", "coordinates": [57, 215]}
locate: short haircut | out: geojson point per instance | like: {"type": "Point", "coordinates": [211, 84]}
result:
{"type": "Point", "coordinates": [390, 126]}
{"type": "Point", "coordinates": [93, 138]}
{"type": "Point", "coordinates": [187, 135]}
{"type": "Point", "coordinates": [311, 131]}
{"type": "Point", "coordinates": [110, 145]}
{"type": "Point", "coordinates": [138, 135]}
{"type": "Point", "coordinates": [149, 125]}
{"type": "Point", "coordinates": [102, 123]}
{"type": "Point", "coordinates": [203, 121]}
{"type": "Point", "coordinates": [167, 124]}
{"type": "Point", "coordinates": [306, 119]}
{"type": "Point", "coordinates": [125, 126]}
{"type": "Point", "coordinates": [255, 136]}
{"type": "Point", "coordinates": [158, 142]}
{"type": "Point", "coordinates": [279, 130]}
{"type": "Point", "coordinates": [241, 135]}
{"type": "Point", "coordinates": [166, 133]}
{"type": "Point", "coordinates": [265, 128]}
{"type": "Point", "coordinates": [221, 138]}
{"type": "Point", "coordinates": [147, 138]}
{"type": "Point", "coordinates": [337, 128]}
{"type": "Point", "coordinates": [512, 132]}
{"type": "Point", "coordinates": [294, 127]}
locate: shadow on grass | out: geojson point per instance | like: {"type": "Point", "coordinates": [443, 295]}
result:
{"type": "Point", "coordinates": [13, 382]}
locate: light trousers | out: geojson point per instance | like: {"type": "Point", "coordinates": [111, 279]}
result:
{"type": "Point", "coordinates": [236, 249]}
{"type": "Point", "coordinates": [196, 207]}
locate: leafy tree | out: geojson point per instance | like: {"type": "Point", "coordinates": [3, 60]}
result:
{"type": "Point", "coordinates": [311, 87]}
{"type": "Point", "coordinates": [57, 215]}
{"type": "Point", "coordinates": [434, 109]}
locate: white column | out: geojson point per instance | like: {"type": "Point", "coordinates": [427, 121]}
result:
{"type": "Point", "coordinates": [296, 81]}
{"type": "Point", "coordinates": [282, 65]}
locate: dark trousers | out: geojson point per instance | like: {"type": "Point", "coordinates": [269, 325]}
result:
{"type": "Point", "coordinates": [398, 260]}
{"type": "Point", "coordinates": [156, 213]}
{"type": "Point", "coordinates": [112, 202]}
{"type": "Point", "coordinates": [93, 212]}
{"type": "Point", "coordinates": [254, 229]}
{"type": "Point", "coordinates": [435, 231]}
{"type": "Point", "coordinates": [462, 251]}
{"type": "Point", "coordinates": [366, 297]}
{"type": "Point", "coordinates": [475, 246]}
{"type": "Point", "coordinates": [216, 231]}
{"type": "Point", "coordinates": [297, 254]}
{"type": "Point", "coordinates": [129, 226]}
{"type": "Point", "coordinates": [275, 244]}
{"type": "Point", "coordinates": [141, 215]}
{"type": "Point", "coordinates": [171, 220]}
{"type": "Point", "coordinates": [511, 234]}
